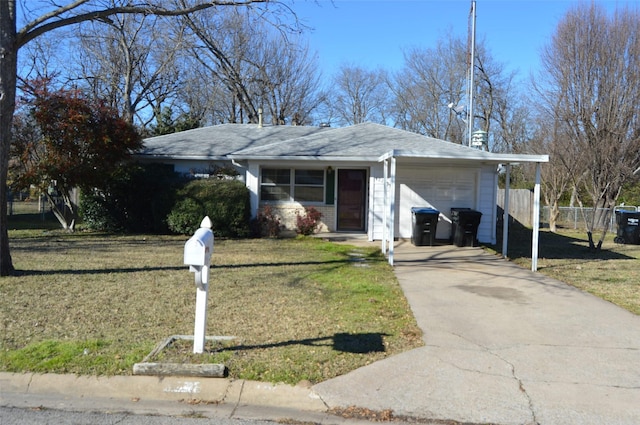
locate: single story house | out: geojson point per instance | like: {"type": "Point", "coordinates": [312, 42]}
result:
{"type": "Point", "coordinates": [363, 178]}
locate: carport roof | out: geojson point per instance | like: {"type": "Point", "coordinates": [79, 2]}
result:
{"type": "Point", "coordinates": [472, 155]}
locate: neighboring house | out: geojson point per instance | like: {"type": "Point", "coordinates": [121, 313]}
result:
{"type": "Point", "coordinates": [342, 173]}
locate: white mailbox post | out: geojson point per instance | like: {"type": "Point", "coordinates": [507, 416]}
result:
{"type": "Point", "coordinates": [197, 254]}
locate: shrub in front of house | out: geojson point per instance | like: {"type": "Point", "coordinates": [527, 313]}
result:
{"type": "Point", "coordinates": [135, 199]}
{"type": "Point", "coordinates": [97, 214]}
{"type": "Point", "coordinates": [309, 223]}
{"type": "Point", "coordinates": [266, 224]}
{"type": "Point", "coordinates": [226, 202]}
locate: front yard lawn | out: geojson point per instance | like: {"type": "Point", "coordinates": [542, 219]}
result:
{"type": "Point", "coordinates": [301, 309]}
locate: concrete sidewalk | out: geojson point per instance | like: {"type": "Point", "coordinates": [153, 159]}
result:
{"type": "Point", "coordinates": [503, 345]}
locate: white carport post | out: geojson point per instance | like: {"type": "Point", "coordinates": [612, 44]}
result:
{"type": "Point", "coordinates": [385, 210]}
{"type": "Point", "coordinates": [505, 211]}
{"type": "Point", "coordinates": [392, 207]}
{"type": "Point", "coordinates": [536, 220]}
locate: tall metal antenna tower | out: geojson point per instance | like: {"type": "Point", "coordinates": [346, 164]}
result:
{"type": "Point", "coordinates": [472, 61]}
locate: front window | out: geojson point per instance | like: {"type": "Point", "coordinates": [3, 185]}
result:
{"type": "Point", "coordinates": [309, 185]}
{"type": "Point", "coordinates": [275, 184]}
{"type": "Point", "coordinates": [284, 185]}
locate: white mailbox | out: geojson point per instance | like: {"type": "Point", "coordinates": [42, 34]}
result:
{"type": "Point", "coordinates": [198, 249]}
{"type": "Point", "coordinates": [197, 254]}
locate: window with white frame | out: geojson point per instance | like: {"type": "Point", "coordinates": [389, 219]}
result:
{"type": "Point", "coordinates": [285, 184]}
{"type": "Point", "coordinates": [308, 185]}
{"type": "Point", "coordinates": [275, 184]}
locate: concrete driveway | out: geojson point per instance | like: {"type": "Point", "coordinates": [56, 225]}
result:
{"type": "Point", "coordinates": [503, 345]}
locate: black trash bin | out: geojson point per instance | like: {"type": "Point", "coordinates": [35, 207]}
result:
{"type": "Point", "coordinates": [628, 227]}
{"type": "Point", "coordinates": [464, 226]}
{"type": "Point", "coordinates": [424, 222]}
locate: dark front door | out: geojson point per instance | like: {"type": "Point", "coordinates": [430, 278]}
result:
{"type": "Point", "coordinates": [352, 191]}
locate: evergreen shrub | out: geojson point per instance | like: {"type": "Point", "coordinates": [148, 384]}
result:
{"type": "Point", "coordinates": [226, 202]}
{"type": "Point", "coordinates": [134, 199]}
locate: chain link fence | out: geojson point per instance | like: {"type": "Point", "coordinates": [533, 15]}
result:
{"type": "Point", "coordinates": [27, 206]}
{"type": "Point", "coordinates": [574, 217]}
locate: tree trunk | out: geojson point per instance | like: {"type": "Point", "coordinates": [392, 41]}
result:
{"type": "Point", "coordinates": [592, 245]}
{"type": "Point", "coordinates": [554, 213]}
{"type": "Point", "coordinates": [67, 221]}
{"type": "Point", "coordinates": [8, 72]}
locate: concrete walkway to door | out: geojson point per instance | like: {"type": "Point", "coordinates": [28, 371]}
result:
{"type": "Point", "coordinates": [503, 345]}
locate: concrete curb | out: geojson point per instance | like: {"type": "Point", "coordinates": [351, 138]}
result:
{"type": "Point", "coordinates": [209, 397]}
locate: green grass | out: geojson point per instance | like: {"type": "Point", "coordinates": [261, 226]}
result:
{"type": "Point", "coordinates": [301, 309]}
{"type": "Point", "coordinates": [33, 221]}
{"type": "Point", "coordinates": [613, 273]}
{"type": "Point", "coordinates": [87, 357]}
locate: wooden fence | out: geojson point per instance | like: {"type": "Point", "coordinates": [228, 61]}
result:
{"type": "Point", "coordinates": [521, 210]}
{"type": "Point", "coordinates": [520, 206]}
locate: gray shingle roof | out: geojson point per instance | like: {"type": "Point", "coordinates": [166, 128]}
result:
{"type": "Point", "coordinates": [216, 142]}
{"type": "Point", "coordinates": [364, 142]}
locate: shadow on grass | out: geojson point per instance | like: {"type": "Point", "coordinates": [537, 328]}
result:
{"type": "Point", "coordinates": [358, 343]}
{"type": "Point", "coordinates": [171, 268]}
{"type": "Point", "coordinates": [95, 271]}
{"type": "Point", "coordinates": [554, 245]}
{"type": "Point", "coordinates": [286, 263]}
{"type": "Point", "coordinates": [46, 221]}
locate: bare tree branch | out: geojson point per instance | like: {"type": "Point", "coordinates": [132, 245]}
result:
{"type": "Point", "coordinates": [42, 25]}
{"type": "Point", "coordinates": [593, 89]}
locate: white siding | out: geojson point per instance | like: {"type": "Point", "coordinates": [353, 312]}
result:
{"type": "Point", "coordinates": [441, 187]}
{"type": "Point", "coordinates": [376, 202]}
{"type": "Point", "coordinates": [253, 184]}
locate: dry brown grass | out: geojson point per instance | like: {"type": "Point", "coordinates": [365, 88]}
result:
{"type": "Point", "coordinates": [301, 308]}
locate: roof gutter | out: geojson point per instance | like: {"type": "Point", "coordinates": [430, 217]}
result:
{"type": "Point", "coordinates": [504, 158]}
{"type": "Point", "coordinates": [304, 158]}
{"type": "Point", "coordinates": [182, 157]}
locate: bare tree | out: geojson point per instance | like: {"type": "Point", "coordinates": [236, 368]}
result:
{"type": "Point", "coordinates": [430, 80]}
{"type": "Point", "coordinates": [291, 81]}
{"type": "Point", "coordinates": [220, 43]}
{"type": "Point", "coordinates": [51, 16]}
{"type": "Point", "coordinates": [593, 88]}
{"type": "Point", "coordinates": [359, 95]}
{"type": "Point", "coordinates": [431, 96]}
{"type": "Point", "coordinates": [39, 60]}
{"type": "Point", "coordinates": [202, 95]}
{"type": "Point", "coordinates": [512, 130]}
{"type": "Point", "coordinates": [553, 138]}
{"type": "Point", "coordinates": [127, 60]}
{"type": "Point", "coordinates": [251, 67]}
{"type": "Point", "coordinates": [498, 108]}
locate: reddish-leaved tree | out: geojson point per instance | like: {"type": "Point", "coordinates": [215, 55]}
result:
{"type": "Point", "coordinates": [67, 141]}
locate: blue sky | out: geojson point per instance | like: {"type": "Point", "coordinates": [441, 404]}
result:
{"type": "Point", "coordinates": [373, 33]}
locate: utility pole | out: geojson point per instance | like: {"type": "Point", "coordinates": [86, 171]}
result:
{"type": "Point", "coordinates": [472, 61]}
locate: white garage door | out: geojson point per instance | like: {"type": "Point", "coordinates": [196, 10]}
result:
{"type": "Point", "coordinates": [439, 188]}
